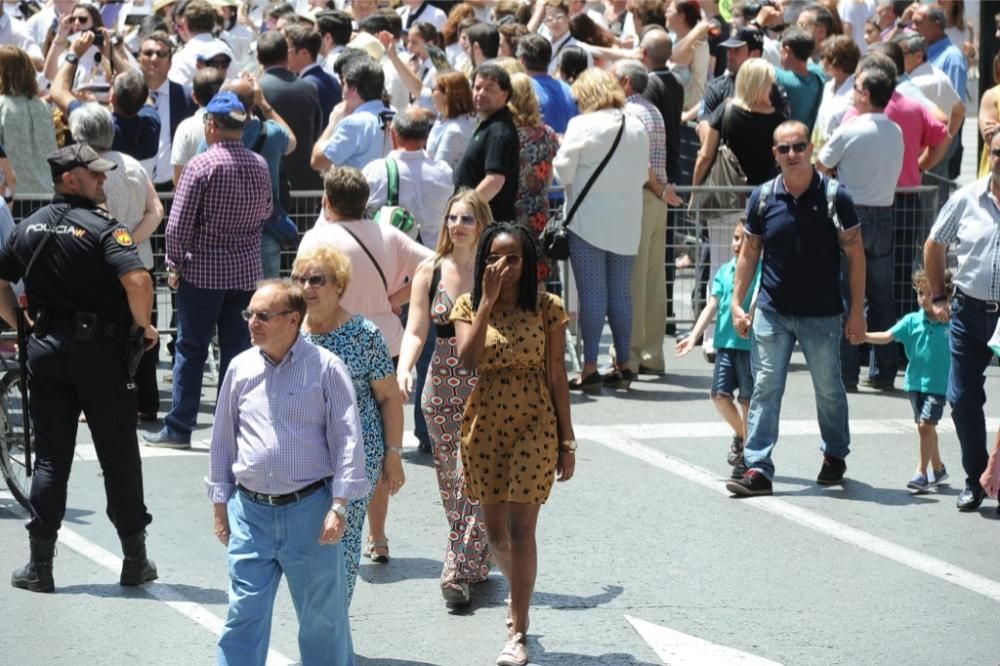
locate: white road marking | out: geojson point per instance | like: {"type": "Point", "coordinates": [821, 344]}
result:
{"type": "Point", "coordinates": [163, 592]}
{"type": "Point", "coordinates": [613, 438]}
{"type": "Point", "coordinates": [679, 649]}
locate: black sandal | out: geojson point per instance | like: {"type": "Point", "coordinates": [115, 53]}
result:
{"type": "Point", "coordinates": [619, 379]}
{"type": "Point", "coordinates": [590, 384]}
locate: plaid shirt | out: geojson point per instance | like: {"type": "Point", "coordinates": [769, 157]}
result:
{"type": "Point", "coordinates": [281, 426]}
{"type": "Point", "coordinates": [643, 110]}
{"type": "Point", "coordinates": [222, 200]}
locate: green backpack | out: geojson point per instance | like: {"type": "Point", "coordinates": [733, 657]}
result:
{"type": "Point", "coordinates": [392, 213]}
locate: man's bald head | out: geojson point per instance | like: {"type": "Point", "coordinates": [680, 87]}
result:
{"type": "Point", "coordinates": [243, 89]}
{"type": "Point", "coordinates": [656, 48]}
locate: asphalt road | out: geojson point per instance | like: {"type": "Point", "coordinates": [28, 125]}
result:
{"type": "Point", "coordinates": [644, 536]}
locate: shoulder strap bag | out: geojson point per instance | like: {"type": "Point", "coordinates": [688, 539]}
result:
{"type": "Point", "coordinates": [385, 283]}
{"type": "Point", "coordinates": [725, 172]}
{"type": "Point", "coordinates": [554, 238]}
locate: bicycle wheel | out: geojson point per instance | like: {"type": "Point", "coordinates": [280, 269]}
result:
{"type": "Point", "coordinates": [12, 438]}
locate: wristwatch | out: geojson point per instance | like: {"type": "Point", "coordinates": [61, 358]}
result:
{"type": "Point", "coordinates": [568, 445]}
{"type": "Point", "coordinates": [72, 58]}
{"type": "Point", "coordinates": [339, 509]}
{"type": "Point", "coordinates": [398, 450]}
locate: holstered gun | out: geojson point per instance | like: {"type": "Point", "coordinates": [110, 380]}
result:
{"type": "Point", "coordinates": [135, 347]}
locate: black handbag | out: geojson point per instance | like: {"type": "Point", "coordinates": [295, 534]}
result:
{"type": "Point", "coordinates": [554, 238]}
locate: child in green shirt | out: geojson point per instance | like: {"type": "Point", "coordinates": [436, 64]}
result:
{"type": "Point", "coordinates": [926, 342]}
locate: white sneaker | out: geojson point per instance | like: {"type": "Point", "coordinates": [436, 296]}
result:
{"type": "Point", "coordinates": [515, 653]}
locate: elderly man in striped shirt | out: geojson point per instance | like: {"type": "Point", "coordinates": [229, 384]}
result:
{"type": "Point", "coordinates": [213, 257]}
{"type": "Point", "coordinates": [286, 458]}
{"type": "Point", "coordinates": [649, 275]}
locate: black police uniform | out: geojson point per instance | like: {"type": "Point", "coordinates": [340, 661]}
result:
{"type": "Point", "coordinates": [76, 355]}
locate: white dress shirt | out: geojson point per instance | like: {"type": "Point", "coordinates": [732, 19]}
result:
{"type": "Point", "coordinates": [425, 185]}
{"type": "Point", "coordinates": [162, 171]}
{"type": "Point", "coordinates": [14, 32]}
{"type": "Point", "coordinates": [185, 62]}
{"type": "Point", "coordinates": [428, 14]}
{"type": "Point", "coordinates": [936, 85]}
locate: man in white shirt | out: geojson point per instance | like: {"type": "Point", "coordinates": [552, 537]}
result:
{"type": "Point", "coordinates": [172, 104]}
{"type": "Point", "coordinates": [335, 29]}
{"type": "Point", "coordinates": [191, 132]}
{"type": "Point", "coordinates": [196, 25]}
{"type": "Point", "coordinates": [14, 32]}
{"type": "Point", "coordinates": [556, 24]}
{"type": "Point", "coordinates": [425, 185]}
{"type": "Point", "coordinates": [39, 25]}
{"type": "Point", "coordinates": [931, 81]}
{"type": "Point", "coordinates": [867, 155]}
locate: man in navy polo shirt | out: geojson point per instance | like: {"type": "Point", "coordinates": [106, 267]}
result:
{"type": "Point", "coordinates": [800, 301]}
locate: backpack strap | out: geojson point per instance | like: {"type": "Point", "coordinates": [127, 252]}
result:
{"type": "Point", "coordinates": [393, 171]}
{"type": "Point", "coordinates": [765, 194]}
{"type": "Point", "coordinates": [831, 204]}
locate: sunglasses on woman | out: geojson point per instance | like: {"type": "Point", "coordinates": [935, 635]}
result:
{"type": "Point", "coordinates": [315, 281]}
{"type": "Point", "coordinates": [467, 220]}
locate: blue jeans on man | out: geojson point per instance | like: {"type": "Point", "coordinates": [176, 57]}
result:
{"type": "Point", "coordinates": [879, 236]}
{"type": "Point", "coordinates": [972, 325]}
{"type": "Point", "coordinates": [774, 337]}
{"type": "Point", "coordinates": [265, 542]}
{"type": "Point", "coordinates": [423, 364]}
{"type": "Point", "coordinates": [198, 312]}
{"type": "Point", "coordinates": [270, 256]}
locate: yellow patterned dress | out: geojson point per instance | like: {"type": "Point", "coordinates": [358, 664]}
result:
{"type": "Point", "coordinates": [510, 442]}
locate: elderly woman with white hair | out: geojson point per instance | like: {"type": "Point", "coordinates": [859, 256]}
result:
{"type": "Point", "coordinates": [132, 200]}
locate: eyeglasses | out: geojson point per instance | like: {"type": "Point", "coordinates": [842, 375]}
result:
{"type": "Point", "coordinates": [467, 220]}
{"type": "Point", "coordinates": [315, 281]}
{"type": "Point", "coordinates": [555, 18]}
{"type": "Point", "coordinates": [512, 259]}
{"type": "Point", "coordinates": [995, 153]}
{"type": "Point", "coordinates": [858, 88]}
{"type": "Point", "coordinates": [150, 53]}
{"type": "Point", "coordinates": [79, 19]}
{"type": "Point", "coordinates": [785, 148]}
{"type": "Point", "coordinates": [263, 316]}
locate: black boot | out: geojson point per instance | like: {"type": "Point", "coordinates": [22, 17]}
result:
{"type": "Point", "coordinates": [36, 575]}
{"type": "Point", "coordinates": [136, 567]}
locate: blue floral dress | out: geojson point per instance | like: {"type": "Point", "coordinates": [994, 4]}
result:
{"type": "Point", "coordinates": [360, 345]}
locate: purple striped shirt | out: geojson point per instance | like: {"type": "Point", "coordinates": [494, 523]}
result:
{"type": "Point", "coordinates": [222, 200]}
{"type": "Point", "coordinates": [643, 110]}
{"type": "Point", "coordinates": [282, 426]}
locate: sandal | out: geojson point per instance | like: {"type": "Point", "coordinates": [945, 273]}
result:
{"type": "Point", "coordinates": [515, 652]}
{"type": "Point", "coordinates": [456, 593]}
{"type": "Point", "coordinates": [378, 558]}
{"type": "Point", "coordinates": [590, 384]}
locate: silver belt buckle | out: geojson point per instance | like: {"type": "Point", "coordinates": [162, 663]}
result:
{"type": "Point", "coordinates": [994, 307]}
{"type": "Point", "coordinates": [271, 500]}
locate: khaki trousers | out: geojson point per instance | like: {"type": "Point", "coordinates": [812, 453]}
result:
{"type": "Point", "coordinates": [649, 285]}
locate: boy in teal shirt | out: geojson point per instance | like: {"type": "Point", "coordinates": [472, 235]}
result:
{"type": "Point", "coordinates": [927, 347]}
{"type": "Point", "coordinates": [732, 356]}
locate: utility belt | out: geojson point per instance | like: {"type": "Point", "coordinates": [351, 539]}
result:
{"type": "Point", "coordinates": [81, 325]}
{"type": "Point", "coordinates": [86, 326]}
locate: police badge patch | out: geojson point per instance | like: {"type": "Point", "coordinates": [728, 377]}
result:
{"type": "Point", "coordinates": [123, 237]}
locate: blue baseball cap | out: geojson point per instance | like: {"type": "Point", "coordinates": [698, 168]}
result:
{"type": "Point", "coordinates": [227, 104]}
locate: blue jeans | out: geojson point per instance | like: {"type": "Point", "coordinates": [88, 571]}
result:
{"type": "Point", "coordinates": [879, 237]}
{"type": "Point", "coordinates": [774, 337]}
{"type": "Point", "coordinates": [264, 543]}
{"type": "Point", "coordinates": [270, 256]}
{"type": "Point", "coordinates": [198, 312]}
{"type": "Point", "coordinates": [971, 329]}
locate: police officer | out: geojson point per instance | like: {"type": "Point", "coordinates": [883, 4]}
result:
{"type": "Point", "coordinates": [88, 296]}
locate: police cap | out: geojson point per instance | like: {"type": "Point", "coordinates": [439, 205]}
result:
{"type": "Point", "coordinates": [77, 155]}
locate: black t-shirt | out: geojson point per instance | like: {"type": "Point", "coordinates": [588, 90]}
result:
{"type": "Point", "coordinates": [494, 148]}
{"type": "Point", "coordinates": [666, 93]}
{"type": "Point", "coordinates": [80, 267]}
{"type": "Point", "coordinates": [723, 87]}
{"type": "Point", "coordinates": [800, 271]}
{"type": "Point", "coordinates": [750, 136]}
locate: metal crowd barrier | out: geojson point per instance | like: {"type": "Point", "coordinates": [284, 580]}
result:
{"type": "Point", "coordinates": [699, 241]}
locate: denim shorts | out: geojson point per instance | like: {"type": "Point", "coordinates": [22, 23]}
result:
{"type": "Point", "coordinates": [732, 371]}
{"type": "Point", "coordinates": [927, 407]}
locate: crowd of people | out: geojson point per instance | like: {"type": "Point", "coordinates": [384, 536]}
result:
{"type": "Point", "coordinates": [442, 136]}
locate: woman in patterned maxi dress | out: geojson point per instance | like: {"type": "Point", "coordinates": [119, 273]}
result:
{"type": "Point", "coordinates": [323, 274]}
{"type": "Point", "coordinates": [517, 437]}
{"type": "Point", "coordinates": [436, 285]}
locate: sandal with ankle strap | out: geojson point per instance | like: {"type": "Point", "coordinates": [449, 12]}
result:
{"type": "Point", "coordinates": [456, 593]}
{"type": "Point", "coordinates": [377, 558]}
